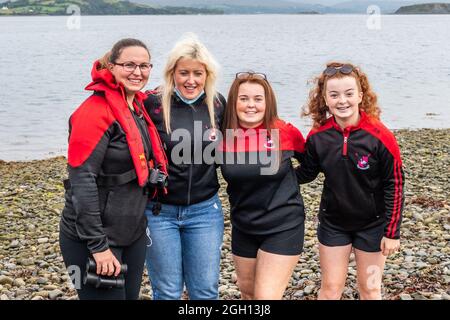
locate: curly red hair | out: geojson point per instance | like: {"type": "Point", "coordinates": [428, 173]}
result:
{"type": "Point", "coordinates": [316, 106]}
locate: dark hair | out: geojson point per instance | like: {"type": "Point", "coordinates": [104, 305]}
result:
{"type": "Point", "coordinates": [231, 121]}
{"type": "Point", "coordinates": [114, 54]}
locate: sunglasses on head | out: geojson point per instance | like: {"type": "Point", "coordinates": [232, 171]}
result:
{"type": "Point", "coordinates": [344, 69]}
{"type": "Point", "coordinates": [253, 75]}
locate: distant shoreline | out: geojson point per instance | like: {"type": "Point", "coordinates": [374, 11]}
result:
{"type": "Point", "coordinates": [229, 14]}
{"type": "Point", "coordinates": [109, 7]}
{"type": "Point", "coordinates": [224, 14]}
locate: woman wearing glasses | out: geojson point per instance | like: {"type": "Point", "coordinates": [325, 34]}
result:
{"type": "Point", "coordinates": [267, 211]}
{"type": "Point", "coordinates": [186, 225]}
{"type": "Point", "coordinates": [113, 145]}
{"type": "Point", "coordinates": [362, 199]}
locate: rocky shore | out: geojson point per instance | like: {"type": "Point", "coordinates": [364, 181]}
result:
{"type": "Point", "coordinates": [31, 199]}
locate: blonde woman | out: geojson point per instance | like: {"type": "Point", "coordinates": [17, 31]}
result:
{"type": "Point", "coordinates": [186, 225]}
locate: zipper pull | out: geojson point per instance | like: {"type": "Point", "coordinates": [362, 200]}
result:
{"type": "Point", "coordinates": [344, 149]}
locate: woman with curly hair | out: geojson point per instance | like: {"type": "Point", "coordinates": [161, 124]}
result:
{"type": "Point", "coordinates": [362, 199]}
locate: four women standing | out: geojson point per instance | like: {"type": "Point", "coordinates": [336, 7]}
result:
{"type": "Point", "coordinates": [111, 155]}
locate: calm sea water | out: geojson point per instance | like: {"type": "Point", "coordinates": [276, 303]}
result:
{"type": "Point", "coordinates": [44, 65]}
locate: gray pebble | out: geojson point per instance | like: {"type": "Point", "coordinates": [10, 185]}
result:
{"type": "Point", "coordinates": [19, 282]}
{"type": "Point", "coordinates": [418, 296]}
{"type": "Point", "coordinates": [405, 296]}
{"type": "Point", "coordinates": [14, 244]}
{"type": "Point", "coordinates": [308, 290]}
{"type": "Point", "coordinates": [6, 280]}
{"type": "Point", "coordinates": [298, 294]}
{"type": "Point", "coordinates": [55, 294]}
{"type": "Point", "coordinates": [10, 266]}
{"type": "Point", "coordinates": [42, 240]}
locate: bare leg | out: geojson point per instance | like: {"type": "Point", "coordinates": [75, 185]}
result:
{"type": "Point", "coordinates": [334, 268]}
{"type": "Point", "coordinates": [245, 272]}
{"type": "Point", "coordinates": [369, 266]}
{"type": "Point", "coordinates": [273, 272]}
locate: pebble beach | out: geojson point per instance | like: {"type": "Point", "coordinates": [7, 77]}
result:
{"type": "Point", "coordinates": [31, 200]}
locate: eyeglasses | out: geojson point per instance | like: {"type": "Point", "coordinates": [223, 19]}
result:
{"type": "Point", "coordinates": [131, 66]}
{"type": "Point", "coordinates": [253, 75]}
{"type": "Point", "coordinates": [344, 69]}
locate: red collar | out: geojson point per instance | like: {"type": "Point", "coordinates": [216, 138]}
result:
{"type": "Point", "coordinates": [261, 126]}
{"type": "Point", "coordinates": [103, 80]}
{"type": "Point", "coordinates": [362, 120]}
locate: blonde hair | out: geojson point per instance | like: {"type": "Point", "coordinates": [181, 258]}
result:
{"type": "Point", "coordinates": [189, 47]}
{"type": "Point", "coordinates": [316, 106]}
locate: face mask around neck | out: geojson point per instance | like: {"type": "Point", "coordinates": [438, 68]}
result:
{"type": "Point", "coordinates": [188, 101]}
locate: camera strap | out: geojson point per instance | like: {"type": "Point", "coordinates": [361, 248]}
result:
{"type": "Point", "coordinates": [109, 180]}
{"type": "Point", "coordinates": [157, 208]}
{"type": "Point", "coordinates": [116, 179]}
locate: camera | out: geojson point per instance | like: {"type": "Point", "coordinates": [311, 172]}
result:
{"type": "Point", "coordinates": [99, 281]}
{"type": "Point", "coordinates": [157, 179]}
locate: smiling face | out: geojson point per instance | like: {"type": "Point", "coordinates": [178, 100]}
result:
{"type": "Point", "coordinates": [250, 105]}
{"type": "Point", "coordinates": [343, 97]}
{"type": "Point", "coordinates": [190, 77]}
{"type": "Point", "coordinates": [136, 80]}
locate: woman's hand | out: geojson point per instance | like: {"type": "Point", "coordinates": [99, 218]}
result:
{"type": "Point", "coordinates": [107, 264]}
{"type": "Point", "coordinates": [389, 246]}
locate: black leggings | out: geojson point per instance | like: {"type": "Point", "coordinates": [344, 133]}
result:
{"type": "Point", "coordinates": [76, 253]}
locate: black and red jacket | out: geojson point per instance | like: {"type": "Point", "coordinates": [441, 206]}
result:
{"type": "Point", "coordinates": [263, 202]}
{"type": "Point", "coordinates": [191, 181]}
{"type": "Point", "coordinates": [364, 178]}
{"type": "Point", "coordinates": [110, 151]}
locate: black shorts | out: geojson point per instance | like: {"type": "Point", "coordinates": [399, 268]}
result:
{"type": "Point", "coordinates": [368, 240]}
{"type": "Point", "coordinates": [288, 242]}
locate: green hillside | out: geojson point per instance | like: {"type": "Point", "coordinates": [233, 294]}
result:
{"type": "Point", "coordinates": [94, 7]}
{"type": "Point", "coordinates": [426, 8]}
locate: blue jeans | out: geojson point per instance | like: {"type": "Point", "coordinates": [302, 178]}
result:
{"type": "Point", "coordinates": [185, 248]}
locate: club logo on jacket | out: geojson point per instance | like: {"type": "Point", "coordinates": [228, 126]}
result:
{"type": "Point", "coordinates": [269, 143]}
{"type": "Point", "coordinates": [212, 135]}
{"type": "Point", "coordinates": [363, 162]}
{"type": "Point", "coordinates": [157, 110]}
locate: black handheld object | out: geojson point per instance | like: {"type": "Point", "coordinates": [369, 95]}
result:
{"type": "Point", "coordinates": [99, 281]}
{"type": "Point", "coordinates": [157, 179]}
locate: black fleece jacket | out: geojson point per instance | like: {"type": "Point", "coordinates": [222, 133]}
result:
{"type": "Point", "coordinates": [191, 180]}
{"type": "Point", "coordinates": [363, 171]}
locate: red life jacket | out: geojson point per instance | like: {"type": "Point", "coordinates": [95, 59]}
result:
{"type": "Point", "coordinates": [104, 82]}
